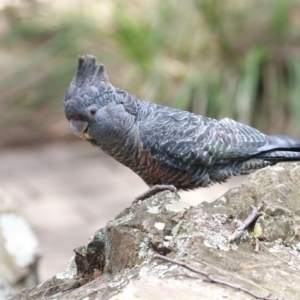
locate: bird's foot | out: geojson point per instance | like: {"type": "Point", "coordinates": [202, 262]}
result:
{"type": "Point", "coordinates": [154, 190]}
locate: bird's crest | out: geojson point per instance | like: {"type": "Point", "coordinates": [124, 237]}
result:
{"type": "Point", "coordinates": [89, 69]}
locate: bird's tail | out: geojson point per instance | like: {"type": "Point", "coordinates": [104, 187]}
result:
{"type": "Point", "coordinates": [280, 148]}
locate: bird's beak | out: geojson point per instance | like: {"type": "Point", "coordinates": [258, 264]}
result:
{"type": "Point", "coordinates": [80, 128]}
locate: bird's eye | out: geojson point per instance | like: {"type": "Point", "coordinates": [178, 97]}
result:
{"type": "Point", "coordinates": [92, 111]}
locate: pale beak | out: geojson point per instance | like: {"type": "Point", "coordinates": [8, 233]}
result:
{"type": "Point", "coordinates": [80, 128]}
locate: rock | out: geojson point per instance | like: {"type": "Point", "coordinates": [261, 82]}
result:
{"type": "Point", "coordinates": [150, 288]}
{"type": "Point", "coordinates": [118, 261]}
{"type": "Point", "coordinates": [5, 289]}
{"type": "Point", "coordinates": [19, 251]}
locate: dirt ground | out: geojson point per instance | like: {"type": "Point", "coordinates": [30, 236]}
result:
{"type": "Point", "coordinates": [68, 191]}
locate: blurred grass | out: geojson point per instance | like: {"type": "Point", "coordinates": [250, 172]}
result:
{"type": "Point", "coordinates": [229, 58]}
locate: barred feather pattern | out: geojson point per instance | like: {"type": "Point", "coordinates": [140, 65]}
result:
{"type": "Point", "coordinates": [164, 145]}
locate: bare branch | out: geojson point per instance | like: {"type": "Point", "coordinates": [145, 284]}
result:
{"type": "Point", "coordinates": [254, 215]}
{"type": "Point", "coordinates": [256, 250]}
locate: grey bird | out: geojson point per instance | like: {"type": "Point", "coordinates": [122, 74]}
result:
{"type": "Point", "coordinates": [167, 147]}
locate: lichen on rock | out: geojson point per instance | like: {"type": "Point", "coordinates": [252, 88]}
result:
{"type": "Point", "coordinates": [118, 262]}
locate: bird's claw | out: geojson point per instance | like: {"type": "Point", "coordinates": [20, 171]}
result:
{"type": "Point", "coordinates": [154, 190]}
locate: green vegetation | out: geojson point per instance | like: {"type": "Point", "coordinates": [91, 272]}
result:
{"type": "Point", "coordinates": [228, 58]}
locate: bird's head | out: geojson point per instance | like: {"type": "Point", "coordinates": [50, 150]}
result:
{"type": "Point", "coordinates": [88, 92]}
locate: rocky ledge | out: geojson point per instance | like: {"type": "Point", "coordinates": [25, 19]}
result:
{"type": "Point", "coordinates": [163, 248]}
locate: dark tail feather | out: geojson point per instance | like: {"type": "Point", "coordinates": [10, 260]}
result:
{"type": "Point", "coordinates": [284, 142]}
{"type": "Point", "coordinates": [280, 155]}
{"type": "Point", "coordinates": [280, 148]}
{"type": "Point", "coordinates": [280, 142]}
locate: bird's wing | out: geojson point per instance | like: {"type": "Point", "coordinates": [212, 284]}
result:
{"type": "Point", "coordinates": [245, 141]}
{"type": "Point", "coordinates": [241, 140]}
{"type": "Point", "coordinates": [181, 139]}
